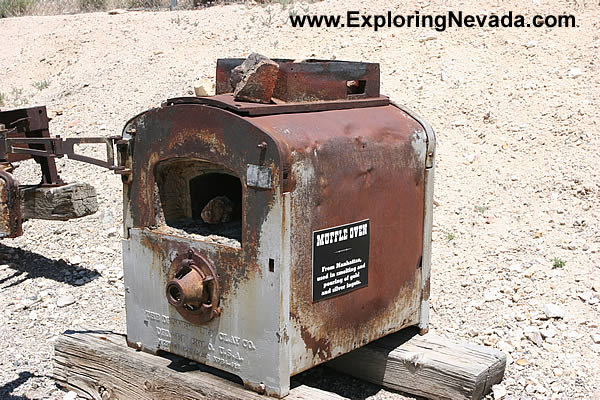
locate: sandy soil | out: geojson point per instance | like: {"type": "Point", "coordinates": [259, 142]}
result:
{"type": "Point", "coordinates": [517, 184]}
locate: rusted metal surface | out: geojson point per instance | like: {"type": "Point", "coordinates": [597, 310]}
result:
{"type": "Point", "coordinates": [199, 132]}
{"type": "Point", "coordinates": [427, 217]}
{"type": "Point", "coordinates": [255, 109]}
{"type": "Point", "coordinates": [193, 288]}
{"type": "Point", "coordinates": [312, 80]}
{"type": "Point", "coordinates": [343, 161]}
{"type": "Point", "coordinates": [24, 134]}
{"type": "Point", "coordinates": [10, 206]}
{"type": "Point", "coordinates": [58, 147]}
{"type": "Point", "coordinates": [30, 123]}
{"type": "Point", "coordinates": [27, 136]}
{"type": "Point", "coordinates": [361, 163]}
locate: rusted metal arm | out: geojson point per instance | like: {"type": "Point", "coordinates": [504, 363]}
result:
{"type": "Point", "coordinates": [59, 147]}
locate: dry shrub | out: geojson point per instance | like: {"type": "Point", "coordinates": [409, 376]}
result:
{"type": "Point", "coordinates": [11, 8]}
{"type": "Point", "coordinates": [144, 3]}
{"type": "Point", "coordinates": [92, 5]}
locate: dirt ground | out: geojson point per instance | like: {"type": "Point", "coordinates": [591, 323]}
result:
{"type": "Point", "coordinates": [516, 222]}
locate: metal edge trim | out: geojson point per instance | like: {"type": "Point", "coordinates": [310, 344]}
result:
{"type": "Point", "coordinates": [427, 214]}
{"type": "Point", "coordinates": [258, 110]}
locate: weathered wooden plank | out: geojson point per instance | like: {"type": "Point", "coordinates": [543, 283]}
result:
{"type": "Point", "coordinates": [74, 200]}
{"type": "Point", "coordinates": [10, 218]}
{"type": "Point", "coordinates": [98, 365]}
{"type": "Point", "coordinates": [428, 366]}
{"type": "Point", "coordinates": [4, 225]}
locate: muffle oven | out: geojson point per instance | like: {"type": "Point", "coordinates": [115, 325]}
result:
{"type": "Point", "coordinates": [264, 239]}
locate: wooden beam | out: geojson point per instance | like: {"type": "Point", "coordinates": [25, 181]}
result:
{"type": "Point", "coordinates": [74, 200]}
{"type": "Point", "coordinates": [4, 210]}
{"type": "Point", "coordinates": [98, 365]}
{"type": "Point", "coordinates": [428, 366]}
{"type": "Point", "coordinates": [10, 212]}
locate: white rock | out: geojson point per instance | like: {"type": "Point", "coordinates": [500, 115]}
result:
{"type": "Point", "coordinates": [595, 338]}
{"type": "Point", "coordinates": [574, 72]}
{"type": "Point", "coordinates": [504, 347]}
{"type": "Point", "coordinates": [111, 232]}
{"type": "Point", "coordinates": [75, 260]}
{"type": "Point", "coordinates": [557, 371]}
{"type": "Point", "coordinates": [65, 301]}
{"type": "Point", "coordinates": [520, 317]}
{"type": "Point", "coordinates": [107, 218]}
{"type": "Point", "coordinates": [491, 295]}
{"type": "Point", "coordinates": [499, 392]}
{"type": "Point", "coordinates": [573, 335]}
{"type": "Point", "coordinates": [548, 333]}
{"type": "Point", "coordinates": [570, 246]}
{"type": "Point", "coordinates": [100, 267]}
{"type": "Point", "coordinates": [70, 396]}
{"type": "Point", "coordinates": [427, 38]}
{"type": "Point", "coordinates": [585, 296]}
{"type": "Point", "coordinates": [530, 388]}
{"type": "Point", "coordinates": [517, 268]}
{"type": "Point", "coordinates": [588, 297]}
{"type": "Point", "coordinates": [204, 87]}
{"type": "Point", "coordinates": [535, 336]}
{"type": "Point", "coordinates": [476, 303]}
{"type": "Point", "coordinates": [530, 44]}
{"type": "Point", "coordinates": [470, 158]}
{"type": "Point", "coordinates": [557, 388]}
{"type": "Point", "coordinates": [553, 311]}
{"type": "Point", "coordinates": [540, 389]}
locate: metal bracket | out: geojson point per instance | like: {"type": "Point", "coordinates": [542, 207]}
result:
{"type": "Point", "coordinates": [59, 147]}
{"type": "Point", "coordinates": [259, 177]}
{"type": "Point", "coordinates": [25, 135]}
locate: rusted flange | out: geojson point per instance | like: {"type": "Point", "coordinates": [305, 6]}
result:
{"type": "Point", "coordinates": [10, 219]}
{"type": "Point", "coordinates": [193, 288]}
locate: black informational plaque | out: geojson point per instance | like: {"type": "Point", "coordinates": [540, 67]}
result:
{"type": "Point", "coordinates": [340, 259]}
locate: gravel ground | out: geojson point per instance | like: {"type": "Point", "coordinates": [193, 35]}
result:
{"type": "Point", "coordinates": [517, 188]}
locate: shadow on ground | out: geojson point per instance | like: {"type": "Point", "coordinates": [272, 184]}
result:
{"type": "Point", "coordinates": [328, 380]}
{"type": "Point", "coordinates": [27, 265]}
{"type": "Point", "coordinates": [9, 387]}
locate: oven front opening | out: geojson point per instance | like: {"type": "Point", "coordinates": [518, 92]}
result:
{"type": "Point", "coordinates": [200, 200]}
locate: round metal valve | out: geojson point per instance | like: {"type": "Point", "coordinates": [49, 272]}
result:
{"type": "Point", "coordinates": [193, 288]}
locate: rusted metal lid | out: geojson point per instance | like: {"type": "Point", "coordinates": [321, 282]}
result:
{"type": "Point", "coordinates": [227, 102]}
{"type": "Point", "coordinates": [312, 80]}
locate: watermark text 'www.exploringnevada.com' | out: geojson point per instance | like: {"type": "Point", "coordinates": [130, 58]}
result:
{"type": "Point", "coordinates": [439, 22]}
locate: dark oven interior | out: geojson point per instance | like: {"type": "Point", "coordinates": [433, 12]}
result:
{"type": "Point", "coordinates": [199, 199]}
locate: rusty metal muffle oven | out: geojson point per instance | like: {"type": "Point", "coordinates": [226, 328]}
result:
{"type": "Point", "coordinates": [265, 238]}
